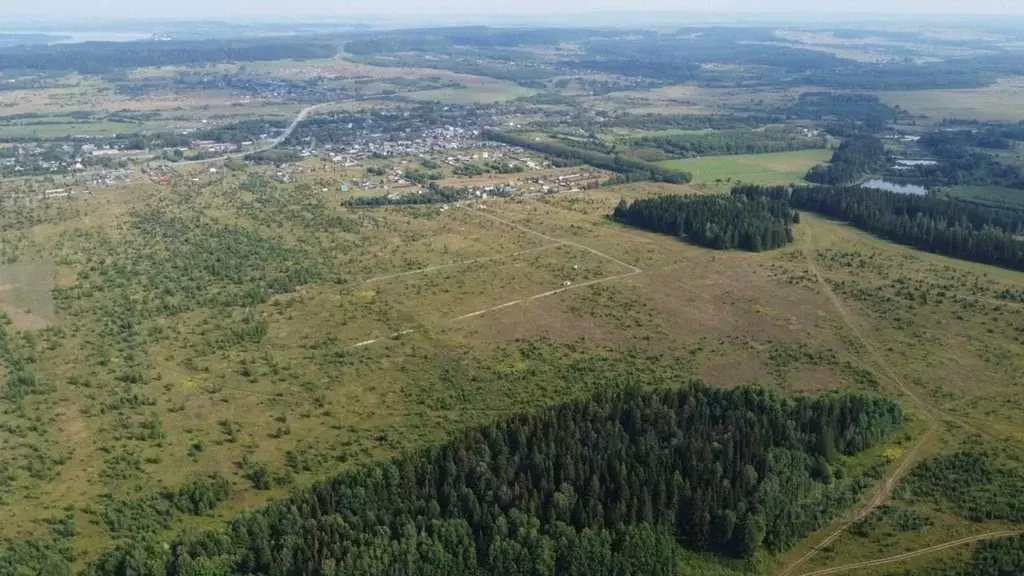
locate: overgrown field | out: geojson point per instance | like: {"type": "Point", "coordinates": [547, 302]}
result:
{"type": "Point", "coordinates": [215, 343]}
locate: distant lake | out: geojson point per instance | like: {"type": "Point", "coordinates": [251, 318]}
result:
{"type": "Point", "coordinates": [79, 37]}
{"type": "Point", "coordinates": [897, 188]}
{"type": "Point", "coordinates": [52, 37]}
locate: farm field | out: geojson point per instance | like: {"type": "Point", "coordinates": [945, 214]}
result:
{"type": "Point", "coordinates": [720, 173]}
{"type": "Point", "coordinates": [392, 328]}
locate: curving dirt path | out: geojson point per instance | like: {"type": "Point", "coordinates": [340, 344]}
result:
{"type": "Point", "coordinates": [915, 553]}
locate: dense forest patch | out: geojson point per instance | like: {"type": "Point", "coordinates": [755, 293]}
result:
{"type": "Point", "coordinates": [607, 485]}
{"type": "Point", "coordinates": [968, 231]}
{"type": "Point", "coordinates": [721, 223]}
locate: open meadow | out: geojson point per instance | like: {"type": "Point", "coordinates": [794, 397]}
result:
{"type": "Point", "coordinates": [721, 173]}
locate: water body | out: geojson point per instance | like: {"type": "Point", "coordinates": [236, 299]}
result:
{"type": "Point", "coordinates": [57, 37]}
{"type": "Point", "coordinates": [913, 189]}
{"type": "Point", "coordinates": [916, 163]}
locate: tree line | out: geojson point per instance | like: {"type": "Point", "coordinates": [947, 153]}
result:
{"type": "Point", "coordinates": [952, 228]}
{"type": "Point", "coordinates": [441, 39]}
{"type": "Point", "coordinates": [722, 223]}
{"type": "Point", "coordinates": [607, 485]}
{"type": "Point", "coordinates": [433, 194]}
{"type": "Point", "coordinates": [652, 121]}
{"type": "Point", "coordinates": [729, 142]}
{"type": "Point", "coordinates": [616, 163]}
{"type": "Point", "coordinates": [104, 57]}
{"type": "Point", "coordinates": [855, 157]}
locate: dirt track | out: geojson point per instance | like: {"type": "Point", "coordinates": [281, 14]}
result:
{"type": "Point", "coordinates": [916, 553]}
{"type": "Point", "coordinates": [883, 490]}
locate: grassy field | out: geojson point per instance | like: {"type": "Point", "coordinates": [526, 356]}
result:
{"type": "Point", "coordinates": [722, 172]}
{"type": "Point", "coordinates": [999, 102]}
{"type": "Point", "coordinates": [331, 337]}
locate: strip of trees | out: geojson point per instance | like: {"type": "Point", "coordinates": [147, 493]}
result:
{"type": "Point", "coordinates": [637, 169]}
{"type": "Point", "coordinates": [728, 142]}
{"type": "Point", "coordinates": [722, 223]}
{"type": "Point", "coordinates": [963, 230]}
{"type": "Point", "coordinates": [605, 485]}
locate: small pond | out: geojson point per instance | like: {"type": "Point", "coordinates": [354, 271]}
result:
{"type": "Point", "coordinates": [897, 188]}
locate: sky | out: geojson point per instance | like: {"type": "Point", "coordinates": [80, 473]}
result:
{"type": "Point", "coordinates": [68, 10]}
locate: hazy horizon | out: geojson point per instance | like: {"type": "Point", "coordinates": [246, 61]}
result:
{"type": "Point", "coordinates": [124, 10]}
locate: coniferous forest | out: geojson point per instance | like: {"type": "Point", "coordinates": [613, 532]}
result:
{"type": "Point", "coordinates": [601, 486]}
{"type": "Point", "coordinates": [856, 156]}
{"type": "Point", "coordinates": [722, 223]}
{"type": "Point", "coordinates": [964, 230]}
